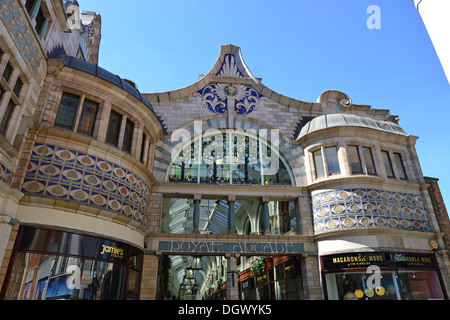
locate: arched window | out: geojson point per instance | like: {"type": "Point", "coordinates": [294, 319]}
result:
{"type": "Point", "coordinates": [230, 157]}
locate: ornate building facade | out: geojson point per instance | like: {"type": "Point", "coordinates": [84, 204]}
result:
{"type": "Point", "coordinates": [223, 189]}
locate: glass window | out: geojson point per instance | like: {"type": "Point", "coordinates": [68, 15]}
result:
{"type": "Point", "coordinates": [387, 164]}
{"type": "Point", "coordinates": [7, 72]}
{"type": "Point", "coordinates": [354, 160]}
{"type": "Point", "coordinates": [318, 164]}
{"type": "Point", "coordinates": [6, 117]}
{"type": "Point", "coordinates": [368, 159]}
{"type": "Point", "coordinates": [420, 285]}
{"type": "Point", "coordinates": [332, 160]}
{"type": "Point", "coordinates": [67, 110]}
{"type": "Point", "coordinates": [17, 87]}
{"type": "Point", "coordinates": [128, 136]}
{"type": "Point", "coordinates": [115, 120]}
{"type": "Point", "coordinates": [400, 167]}
{"type": "Point", "coordinates": [87, 117]}
{"type": "Point", "coordinates": [353, 286]}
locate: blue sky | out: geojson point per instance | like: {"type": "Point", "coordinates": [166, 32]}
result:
{"type": "Point", "coordinates": [299, 48]}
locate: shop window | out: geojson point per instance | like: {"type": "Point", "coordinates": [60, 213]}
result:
{"type": "Point", "coordinates": [50, 265]}
{"type": "Point", "coordinates": [387, 164]}
{"type": "Point", "coordinates": [7, 117]}
{"type": "Point", "coordinates": [399, 165]}
{"type": "Point", "coordinates": [420, 285]}
{"type": "Point", "coordinates": [368, 159]}
{"type": "Point", "coordinates": [354, 160]}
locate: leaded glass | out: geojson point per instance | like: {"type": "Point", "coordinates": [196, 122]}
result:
{"type": "Point", "coordinates": [87, 117]}
{"type": "Point", "coordinates": [115, 120]}
{"type": "Point", "coordinates": [67, 110]}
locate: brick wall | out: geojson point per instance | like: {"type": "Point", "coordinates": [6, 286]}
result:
{"type": "Point", "coordinates": [439, 208]}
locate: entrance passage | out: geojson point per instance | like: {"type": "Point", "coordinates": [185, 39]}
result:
{"type": "Point", "coordinates": [185, 277]}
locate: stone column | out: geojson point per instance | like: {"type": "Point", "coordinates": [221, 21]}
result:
{"type": "Point", "coordinates": [196, 216]}
{"type": "Point", "coordinates": [149, 281]}
{"type": "Point", "coordinates": [312, 288]}
{"type": "Point", "coordinates": [232, 278]}
{"type": "Point", "coordinates": [231, 224]}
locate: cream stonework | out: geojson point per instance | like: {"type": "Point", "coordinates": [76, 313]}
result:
{"type": "Point", "coordinates": [87, 161]}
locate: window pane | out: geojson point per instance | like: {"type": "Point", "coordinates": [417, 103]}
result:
{"type": "Point", "coordinates": [87, 117]}
{"type": "Point", "coordinates": [368, 159]}
{"type": "Point", "coordinates": [67, 110]}
{"type": "Point", "coordinates": [420, 285]}
{"type": "Point", "coordinates": [128, 136]}
{"type": "Point", "coordinates": [17, 87]}
{"type": "Point", "coordinates": [353, 159]}
{"type": "Point", "coordinates": [332, 160]}
{"type": "Point", "coordinates": [112, 136]}
{"type": "Point", "coordinates": [318, 163]}
{"type": "Point", "coordinates": [387, 164]}
{"type": "Point", "coordinates": [399, 164]}
{"type": "Point", "coordinates": [6, 117]}
{"type": "Point", "coordinates": [7, 72]}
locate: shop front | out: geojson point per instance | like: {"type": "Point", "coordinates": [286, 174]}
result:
{"type": "Point", "coordinates": [382, 276]}
{"type": "Point", "coordinates": [49, 264]}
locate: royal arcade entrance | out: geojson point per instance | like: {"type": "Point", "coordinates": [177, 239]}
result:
{"type": "Point", "coordinates": [231, 245]}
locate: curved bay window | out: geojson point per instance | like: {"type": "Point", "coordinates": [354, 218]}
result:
{"type": "Point", "coordinates": [57, 265]}
{"type": "Point", "coordinates": [230, 158]}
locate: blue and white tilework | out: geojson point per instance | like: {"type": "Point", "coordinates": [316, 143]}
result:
{"type": "Point", "coordinates": [367, 209]}
{"type": "Point", "coordinates": [64, 174]}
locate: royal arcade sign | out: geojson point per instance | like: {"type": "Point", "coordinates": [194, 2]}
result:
{"type": "Point", "coordinates": [244, 248]}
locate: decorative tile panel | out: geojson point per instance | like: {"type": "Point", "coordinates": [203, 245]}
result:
{"type": "Point", "coordinates": [216, 98]}
{"type": "Point", "coordinates": [367, 209]}
{"type": "Point", "coordinates": [19, 27]}
{"type": "Point", "coordinates": [64, 174]}
{"type": "Point", "coordinates": [6, 175]}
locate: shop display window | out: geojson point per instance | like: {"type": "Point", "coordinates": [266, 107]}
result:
{"type": "Point", "coordinates": [420, 285]}
{"type": "Point", "coordinates": [55, 265]}
{"type": "Point", "coordinates": [354, 286]}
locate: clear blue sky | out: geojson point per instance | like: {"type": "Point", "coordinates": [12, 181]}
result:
{"type": "Point", "coordinates": [299, 48]}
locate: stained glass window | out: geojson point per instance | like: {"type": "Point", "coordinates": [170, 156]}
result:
{"type": "Point", "coordinates": [67, 110]}
{"type": "Point", "coordinates": [87, 117]}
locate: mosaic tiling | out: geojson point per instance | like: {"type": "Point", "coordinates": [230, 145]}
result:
{"type": "Point", "coordinates": [16, 22]}
{"type": "Point", "coordinates": [6, 175]}
{"type": "Point", "coordinates": [368, 208]}
{"type": "Point", "coordinates": [69, 175]}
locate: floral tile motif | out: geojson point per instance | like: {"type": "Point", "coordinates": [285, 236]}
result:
{"type": "Point", "coordinates": [368, 208]}
{"type": "Point", "coordinates": [69, 175]}
{"type": "Point", "coordinates": [6, 175]}
{"type": "Point", "coordinates": [14, 20]}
